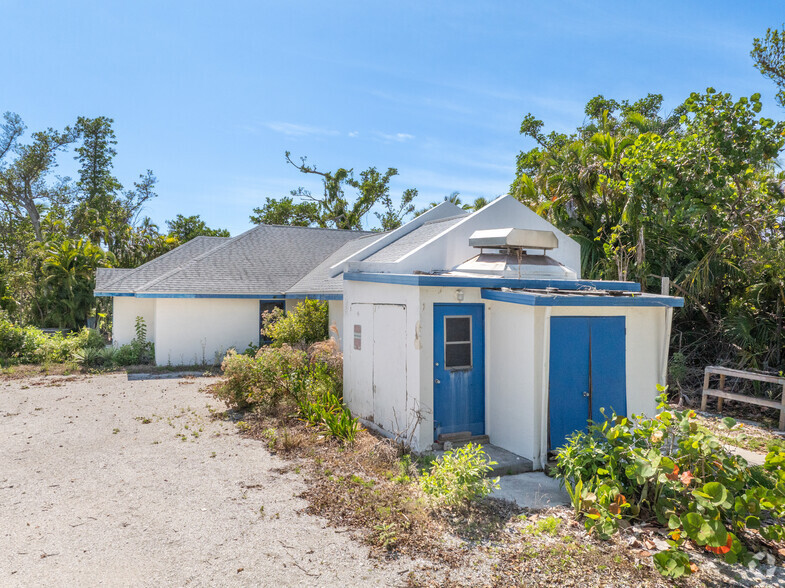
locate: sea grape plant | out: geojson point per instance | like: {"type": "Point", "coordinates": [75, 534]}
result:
{"type": "Point", "coordinates": [671, 470]}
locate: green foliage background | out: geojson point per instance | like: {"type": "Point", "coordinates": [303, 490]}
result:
{"type": "Point", "coordinates": [694, 195]}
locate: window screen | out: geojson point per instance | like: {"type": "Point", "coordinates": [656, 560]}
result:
{"type": "Point", "coordinates": [457, 342]}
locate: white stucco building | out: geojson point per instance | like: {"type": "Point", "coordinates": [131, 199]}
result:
{"type": "Point", "coordinates": [455, 324]}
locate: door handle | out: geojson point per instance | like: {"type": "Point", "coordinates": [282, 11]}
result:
{"type": "Point", "coordinates": [436, 382]}
{"type": "Point", "coordinates": [585, 394]}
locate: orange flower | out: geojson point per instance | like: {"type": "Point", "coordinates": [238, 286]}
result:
{"type": "Point", "coordinates": [722, 550]}
{"type": "Point", "coordinates": [676, 534]}
{"type": "Point", "coordinates": [675, 473]}
{"type": "Point", "coordinates": [686, 478]}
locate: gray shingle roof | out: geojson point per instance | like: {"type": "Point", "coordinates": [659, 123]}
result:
{"type": "Point", "coordinates": [397, 249]}
{"type": "Point", "coordinates": [318, 280]}
{"type": "Point", "coordinates": [129, 280]}
{"type": "Point", "coordinates": [267, 259]}
{"type": "Point", "coordinates": [106, 275]}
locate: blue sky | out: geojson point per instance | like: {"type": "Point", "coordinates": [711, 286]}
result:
{"type": "Point", "coordinates": [210, 94]}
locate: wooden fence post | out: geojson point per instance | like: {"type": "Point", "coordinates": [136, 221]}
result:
{"type": "Point", "coordinates": [705, 387]}
{"type": "Point", "coordinates": [722, 389]}
{"type": "Point", "coordinates": [782, 410]}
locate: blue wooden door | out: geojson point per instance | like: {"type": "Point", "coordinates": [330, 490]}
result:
{"type": "Point", "coordinates": [588, 372]}
{"type": "Point", "coordinates": [459, 369]}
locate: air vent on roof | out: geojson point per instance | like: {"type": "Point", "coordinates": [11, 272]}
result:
{"type": "Point", "coordinates": [514, 239]}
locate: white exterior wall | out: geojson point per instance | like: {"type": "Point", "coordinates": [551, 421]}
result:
{"type": "Point", "coordinates": [335, 320]}
{"type": "Point", "coordinates": [201, 330]}
{"type": "Point", "coordinates": [383, 376]}
{"type": "Point", "coordinates": [125, 309]}
{"type": "Point", "coordinates": [513, 360]}
{"type": "Point", "coordinates": [517, 357]}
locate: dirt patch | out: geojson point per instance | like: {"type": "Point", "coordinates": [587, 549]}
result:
{"type": "Point", "coordinates": [106, 481]}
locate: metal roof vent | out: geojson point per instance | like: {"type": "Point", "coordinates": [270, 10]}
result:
{"type": "Point", "coordinates": [512, 239]}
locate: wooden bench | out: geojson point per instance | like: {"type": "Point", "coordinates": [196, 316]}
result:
{"type": "Point", "coordinates": [721, 394]}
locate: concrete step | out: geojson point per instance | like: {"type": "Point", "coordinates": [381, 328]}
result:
{"type": "Point", "coordinates": [461, 441]}
{"type": "Point", "coordinates": [507, 463]}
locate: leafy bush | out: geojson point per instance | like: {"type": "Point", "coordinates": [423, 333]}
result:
{"type": "Point", "coordinates": [305, 325]}
{"type": "Point", "coordinates": [460, 476]}
{"type": "Point", "coordinates": [671, 470]}
{"type": "Point", "coordinates": [31, 345]}
{"type": "Point", "coordinates": [311, 381]}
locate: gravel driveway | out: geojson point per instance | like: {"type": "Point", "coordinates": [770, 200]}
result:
{"type": "Point", "coordinates": [105, 481]}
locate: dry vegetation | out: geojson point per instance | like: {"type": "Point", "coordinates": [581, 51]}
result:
{"type": "Point", "coordinates": [369, 488]}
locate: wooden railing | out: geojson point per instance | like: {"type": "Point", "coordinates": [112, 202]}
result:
{"type": "Point", "coordinates": [721, 394]}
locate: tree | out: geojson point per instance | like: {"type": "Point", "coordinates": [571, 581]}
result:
{"type": "Point", "coordinates": [185, 228]}
{"type": "Point", "coordinates": [691, 195]}
{"type": "Point", "coordinates": [23, 188]}
{"type": "Point", "coordinates": [769, 56]}
{"type": "Point", "coordinates": [455, 198]}
{"type": "Point", "coordinates": [68, 266]}
{"type": "Point", "coordinates": [285, 211]}
{"type": "Point", "coordinates": [333, 208]}
{"type": "Point", "coordinates": [104, 211]}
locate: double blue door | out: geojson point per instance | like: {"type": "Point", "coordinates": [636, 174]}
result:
{"type": "Point", "coordinates": [587, 373]}
{"type": "Point", "coordinates": [459, 369]}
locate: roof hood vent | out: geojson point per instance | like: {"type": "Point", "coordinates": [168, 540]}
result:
{"type": "Point", "coordinates": [512, 239]}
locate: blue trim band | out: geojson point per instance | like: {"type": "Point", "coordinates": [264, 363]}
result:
{"type": "Point", "coordinates": [311, 296]}
{"type": "Point", "coordinates": [295, 296]}
{"type": "Point", "coordinates": [468, 282]}
{"type": "Point", "coordinates": [535, 299]}
{"type": "Point", "coordinates": [231, 296]}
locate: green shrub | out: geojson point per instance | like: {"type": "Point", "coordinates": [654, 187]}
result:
{"type": "Point", "coordinates": [126, 355]}
{"type": "Point", "coordinates": [31, 345]}
{"type": "Point", "coordinates": [672, 470]}
{"type": "Point", "coordinates": [460, 476]}
{"type": "Point", "coordinates": [263, 380]}
{"type": "Point", "coordinates": [303, 326]}
{"type": "Point", "coordinates": [311, 381]}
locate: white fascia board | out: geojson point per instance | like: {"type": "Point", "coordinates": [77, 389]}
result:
{"type": "Point", "coordinates": [441, 211]}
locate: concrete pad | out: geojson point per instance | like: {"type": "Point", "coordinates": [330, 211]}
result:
{"type": "Point", "coordinates": [532, 490]}
{"type": "Point", "coordinates": [753, 458]}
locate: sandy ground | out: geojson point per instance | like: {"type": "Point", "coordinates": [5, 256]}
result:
{"type": "Point", "coordinates": [93, 494]}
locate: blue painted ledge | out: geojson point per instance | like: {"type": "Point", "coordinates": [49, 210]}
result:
{"type": "Point", "coordinates": [535, 299]}
{"type": "Point", "coordinates": [469, 282]}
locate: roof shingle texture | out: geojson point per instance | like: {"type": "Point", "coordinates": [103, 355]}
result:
{"type": "Point", "coordinates": [133, 279]}
{"type": "Point", "coordinates": [411, 241]}
{"type": "Point", "coordinates": [318, 280]}
{"type": "Point", "coordinates": [267, 259]}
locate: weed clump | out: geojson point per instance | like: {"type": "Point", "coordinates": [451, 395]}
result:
{"type": "Point", "coordinates": [459, 477]}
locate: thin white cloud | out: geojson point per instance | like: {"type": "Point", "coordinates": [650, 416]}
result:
{"type": "Point", "coordinates": [296, 130]}
{"type": "Point", "coordinates": [354, 134]}
{"type": "Point", "coordinates": [397, 137]}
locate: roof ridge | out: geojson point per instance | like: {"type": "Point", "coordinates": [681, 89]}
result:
{"type": "Point", "coordinates": [132, 270]}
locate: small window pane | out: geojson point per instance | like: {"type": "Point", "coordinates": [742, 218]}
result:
{"type": "Point", "coordinates": [458, 355]}
{"type": "Point", "coordinates": [457, 328]}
